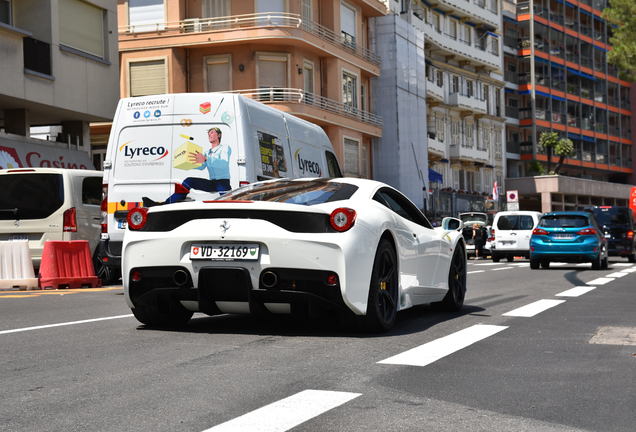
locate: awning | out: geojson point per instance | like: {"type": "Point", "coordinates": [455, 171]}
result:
{"type": "Point", "coordinates": [434, 176]}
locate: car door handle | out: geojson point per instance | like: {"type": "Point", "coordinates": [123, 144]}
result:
{"type": "Point", "coordinates": [414, 235]}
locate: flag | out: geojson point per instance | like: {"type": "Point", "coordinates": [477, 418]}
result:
{"type": "Point", "coordinates": [495, 192]}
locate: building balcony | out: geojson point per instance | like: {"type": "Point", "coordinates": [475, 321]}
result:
{"type": "Point", "coordinates": [461, 50]}
{"type": "Point", "coordinates": [316, 108]}
{"type": "Point", "coordinates": [436, 146]}
{"type": "Point", "coordinates": [474, 10]}
{"type": "Point", "coordinates": [467, 103]}
{"type": "Point", "coordinates": [291, 29]}
{"type": "Point", "coordinates": [434, 91]}
{"type": "Point", "coordinates": [469, 154]}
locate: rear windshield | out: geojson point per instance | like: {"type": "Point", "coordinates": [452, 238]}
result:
{"type": "Point", "coordinates": [474, 217]}
{"type": "Point", "coordinates": [515, 223]}
{"type": "Point", "coordinates": [294, 192]}
{"type": "Point", "coordinates": [612, 216]}
{"type": "Point", "coordinates": [564, 221]}
{"type": "Point", "coordinates": [30, 196]}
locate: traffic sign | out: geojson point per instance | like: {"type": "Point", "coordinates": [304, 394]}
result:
{"type": "Point", "coordinates": [512, 196]}
{"type": "Point", "coordinates": [513, 206]}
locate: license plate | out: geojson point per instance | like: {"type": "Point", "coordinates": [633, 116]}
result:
{"type": "Point", "coordinates": [18, 237]}
{"type": "Point", "coordinates": [563, 236]}
{"type": "Point", "coordinates": [225, 252]}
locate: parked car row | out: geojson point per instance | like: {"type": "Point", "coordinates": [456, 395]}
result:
{"type": "Point", "coordinates": [590, 235]}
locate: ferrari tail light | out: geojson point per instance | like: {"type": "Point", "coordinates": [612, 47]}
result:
{"type": "Point", "coordinates": [135, 276]}
{"type": "Point", "coordinates": [104, 208]}
{"type": "Point", "coordinates": [630, 234]}
{"type": "Point", "coordinates": [70, 220]}
{"type": "Point", "coordinates": [342, 219]}
{"type": "Point", "coordinates": [587, 231]}
{"type": "Point", "coordinates": [539, 231]}
{"type": "Point", "coordinates": [332, 279]}
{"type": "Point", "coordinates": [181, 189]}
{"type": "Point", "coordinates": [137, 218]}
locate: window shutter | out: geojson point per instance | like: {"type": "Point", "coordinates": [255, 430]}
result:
{"type": "Point", "coordinates": [82, 26]}
{"type": "Point", "coordinates": [148, 77]}
{"type": "Point", "coordinates": [218, 74]}
{"type": "Point", "coordinates": [351, 157]}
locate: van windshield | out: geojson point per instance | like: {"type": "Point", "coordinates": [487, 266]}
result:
{"type": "Point", "coordinates": [30, 196]}
{"type": "Point", "coordinates": [515, 223]}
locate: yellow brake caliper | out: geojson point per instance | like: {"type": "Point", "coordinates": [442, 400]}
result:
{"type": "Point", "coordinates": [383, 285]}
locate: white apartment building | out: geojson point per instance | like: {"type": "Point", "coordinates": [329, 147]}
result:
{"type": "Point", "coordinates": [464, 84]}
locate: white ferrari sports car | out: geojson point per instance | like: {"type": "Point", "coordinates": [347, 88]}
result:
{"type": "Point", "coordinates": [346, 245]}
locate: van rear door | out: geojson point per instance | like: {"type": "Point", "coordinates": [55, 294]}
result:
{"type": "Point", "coordinates": [513, 231]}
{"type": "Point", "coordinates": [309, 157]}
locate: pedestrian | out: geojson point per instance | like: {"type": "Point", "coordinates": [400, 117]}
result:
{"type": "Point", "coordinates": [479, 240]}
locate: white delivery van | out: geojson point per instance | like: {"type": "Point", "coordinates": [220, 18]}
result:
{"type": "Point", "coordinates": [40, 204]}
{"type": "Point", "coordinates": [512, 231]}
{"type": "Point", "coordinates": [172, 147]}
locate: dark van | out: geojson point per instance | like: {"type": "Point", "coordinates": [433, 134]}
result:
{"type": "Point", "coordinates": [618, 226]}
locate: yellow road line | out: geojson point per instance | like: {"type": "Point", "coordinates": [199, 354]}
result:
{"type": "Point", "coordinates": [37, 293]}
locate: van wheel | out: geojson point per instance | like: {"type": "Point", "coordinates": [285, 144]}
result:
{"type": "Point", "coordinates": [495, 258]}
{"type": "Point", "coordinates": [534, 263]}
{"type": "Point", "coordinates": [510, 258]}
{"type": "Point", "coordinates": [106, 273]}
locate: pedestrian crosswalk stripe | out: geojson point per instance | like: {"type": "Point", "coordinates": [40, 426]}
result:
{"type": "Point", "coordinates": [617, 275]}
{"type": "Point", "coordinates": [534, 308]}
{"type": "Point", "coordinates": [600, 281]}
{"type": "Point", "coordinates": [576, 291]}
{"type": "Point", "coordinates": [286, 413]}
{"type": "Point", "coordinates": [432, 351]}
{"type": "Point", "coordinates": [502, 268]}
{"type": "Point", "coordinates": [622, 264]}
{"type": "Point", "coordinates": [475, 271]}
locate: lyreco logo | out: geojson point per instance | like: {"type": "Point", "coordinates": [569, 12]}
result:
{"type": "Point", "coordinates": [306, 165]}
{"type": "Point", "coordinates": [136, 152]}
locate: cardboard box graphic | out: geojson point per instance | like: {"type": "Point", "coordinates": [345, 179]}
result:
{"type": "Point", "coordinates": [205, 107]}
{"type": "Point", "coordinates": [181, 159]}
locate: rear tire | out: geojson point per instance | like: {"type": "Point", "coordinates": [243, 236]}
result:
{"type": "Point", "coordinates": [510, 258]}
{"type": "Point", "coordinates": [545, 264]}
{"type": "Point", "coordinates": [534, 263]}
{"type": "Point", "coordinates": [454, 299]}
{"type": "Point", "coordinates": [597, 262]}
{"type": "Point", "coordinates": [382, 302]}
{"type": "Point", "coordinates": [165, 314]}
{"type": "Point", "coordinates": [632, 257]}
{"type": "Point", "coordinates": [106, 273]}
{"type": "Point", "coordinates": [495, 258]}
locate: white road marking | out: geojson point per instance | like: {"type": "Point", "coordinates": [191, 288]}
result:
{"type": "Point", "coordinates": [558, 264]}
{"type": "Point", "coordinates": [286, 413]}
{"type": "Point", "coordinates": [523, 264]}
{"type": "Point", "coordinates": [432, 351]}
{"type": "Point", "coordinates": [583, 265]}
{"type": "Point", "coordinates": [475, 271]}
{"type": "Point", "coordinates": [616, 275]}
{"type": "Point", "coordinates": [64, 324]}
{"type": "Point", "coordinates": [534, 308]}
{"type": "Point", "coordinates": [488, 264]}
{"type": "Point", "coordinates": [502, 268]}
{"type": "Point", "coordinates": [629, 270]}
{"type": "Point", "coordinates": [621, 264]}
{"type": "Point", "coordinates": [600, 281]}
{"type": "Point", "coordinates": [576, 291]}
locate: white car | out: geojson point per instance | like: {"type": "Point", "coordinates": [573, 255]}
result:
{"type": "Point", "coordinates": [347, 245]}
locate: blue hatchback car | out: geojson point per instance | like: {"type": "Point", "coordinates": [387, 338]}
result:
{"type": "Point", "coordinates": [568, 236]}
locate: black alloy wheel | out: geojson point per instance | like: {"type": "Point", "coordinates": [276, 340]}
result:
{"type": "Point", "coordinates": [382, 303]}
{"type": "Point", "coordinates": [454, 299]}
{"type": "Point", "coordinates": [106, 273]}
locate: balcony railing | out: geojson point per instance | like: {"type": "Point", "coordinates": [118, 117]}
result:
{"type": "Point", "coordinates": [468, 102]}
{"type": "Point", "coordinates": [293, 95]}
{"type": "Point", "coordinates": [258, 20]}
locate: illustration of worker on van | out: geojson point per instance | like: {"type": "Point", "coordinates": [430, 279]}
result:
{"type": "Point", "coordinates": [190, 156]}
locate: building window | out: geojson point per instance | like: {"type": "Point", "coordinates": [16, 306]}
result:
{"type": "Point", "coordinates": [468, 34]}
{"type": "Point", "coordinates": [455, 84]}
{"type": "Point", "coordinates": [148, 77]}
{"type": "Point", "coordinates": [218, 73]}
{"type": "Point", "coordinates": [349, 91]}
{"type": "Point", "coordinates": [437, 22]}
{"type": "Point", "coordinates": [440, 78]}
{"type": "Point", "coordinates": [146, 15]}
{"type": "Point", "coordinates": [356, 157]}
{"type": "Point", "coordinates": [272, 74]}
{"type": "Point", "coordinates": [452, 28]}
{"type": "Point", "coordinates": [308, 81]}
{"type": "Point", "coordinates": [82, 27]}
{"type": "Point", "coordinates": [307, 10]}
{"type": "Point", "coordinates": [5, 12]}
{"type": "Point", "coordinates": [441, 126]}
{"type": "Point", "coordinates": [270, 6]}
{"type": "Point", "coordinates": [216, 8]}
{"type": "Point", "coordinates": [348, 23]}
{"type": "Point", "coordinates": [469, 88]}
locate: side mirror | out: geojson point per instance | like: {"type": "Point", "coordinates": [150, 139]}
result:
{"type": "Point", "coordinates": [451, 224]}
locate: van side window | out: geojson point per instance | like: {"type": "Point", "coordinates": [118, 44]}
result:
{"type": "Point", "coordinates": [92, 191]}
{"type": "Point", "coordinates": [332, 165]}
